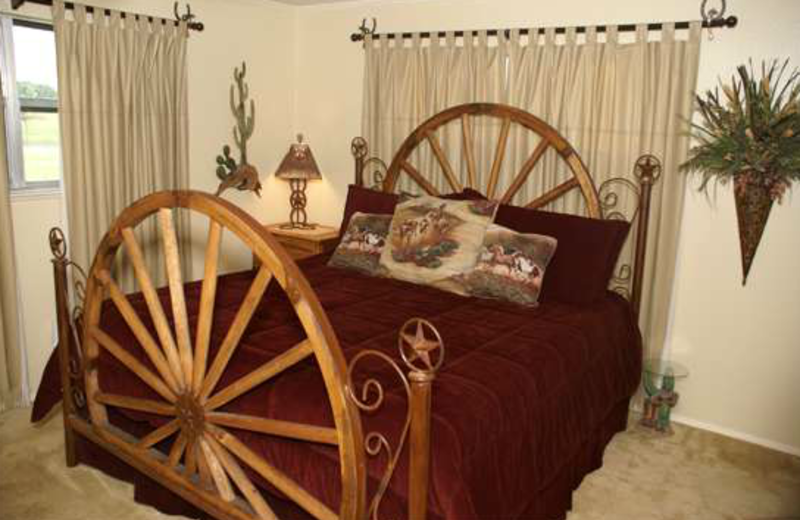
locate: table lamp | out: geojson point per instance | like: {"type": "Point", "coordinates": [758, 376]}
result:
{"type": "Point", "coordinates": [298, 167]}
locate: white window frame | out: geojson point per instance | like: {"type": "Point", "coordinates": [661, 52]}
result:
{"type": "Point", "coordinates": [15, 107]}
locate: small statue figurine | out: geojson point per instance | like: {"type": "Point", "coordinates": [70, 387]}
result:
{"type": "Point", "coordinates": [659, 402]}
{"type": "Point", "coordinates": [241, 176]}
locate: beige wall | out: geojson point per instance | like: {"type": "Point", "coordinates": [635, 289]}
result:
{"type": "Point", "coordinates": [742, 344]}
{"type": "Point", "coordinates": [33, 216]}
{"type": "Point", "coordinates": [259, 32]}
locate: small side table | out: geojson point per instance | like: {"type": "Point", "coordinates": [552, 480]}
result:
{"type": "Point", "coordinates": [302, 243]}
{"type": "Point", "coordinates": [660, 398]}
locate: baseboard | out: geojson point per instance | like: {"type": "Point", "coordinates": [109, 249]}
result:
{"type": "Point", "coordinates": [728, 432]}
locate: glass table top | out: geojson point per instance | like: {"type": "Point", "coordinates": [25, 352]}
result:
{"type": "Point", "coordinates": [662, 367]}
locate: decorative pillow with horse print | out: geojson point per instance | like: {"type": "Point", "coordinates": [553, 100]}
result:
{"type": "Point", "coordinates": [432, 239]}
{"type": "Point", "coordinates": [361, 245]}
{"type": "Point", "coordinates": [510, 267]}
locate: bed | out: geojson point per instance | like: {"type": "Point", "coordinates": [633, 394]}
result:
{"type": "Point", "coordinates": [300, 390]}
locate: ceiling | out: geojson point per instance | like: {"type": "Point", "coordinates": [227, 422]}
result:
{"type": "Point", "coordinates": [311, 2]}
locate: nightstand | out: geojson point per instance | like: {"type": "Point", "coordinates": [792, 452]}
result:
{"type": "Point", "coordinates": [302, 243]}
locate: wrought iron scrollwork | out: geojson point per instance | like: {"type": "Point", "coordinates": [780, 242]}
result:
{"type": "Point", "coordinates": [360, 151]}
{"type": "Point", "coordinates": [610, 199]}
{"type": "Point", "coordinates": [77, 275]}
{"type": "Point", "coordinates": [417, 352]}
{"type": "Point", "coordinates": [379, 169]}
{"type": "Point", "coordinates": [370, 400]}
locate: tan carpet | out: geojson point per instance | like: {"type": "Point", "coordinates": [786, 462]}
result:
{"type": "Point", "coordinates": [691, 475]}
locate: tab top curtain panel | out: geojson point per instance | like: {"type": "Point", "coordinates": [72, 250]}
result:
{"type": "Point", "coordinates": [122, 104]}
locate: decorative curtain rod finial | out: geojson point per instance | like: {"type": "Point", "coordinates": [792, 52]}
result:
{"type": "Point", "coordinates": [188, 17]}
{"type": "Point", "coordinates": [363, 30]}
{"type": "Point", "coordinates": [712, 14]}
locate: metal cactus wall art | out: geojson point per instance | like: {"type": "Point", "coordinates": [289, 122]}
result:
{"type": "Point", "coordinates": [242, 175]}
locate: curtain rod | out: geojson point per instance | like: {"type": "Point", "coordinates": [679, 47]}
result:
{"type": "Point", "coordinates": [729, 22]}
{"type": "Point", "coordinates": [188, 17]}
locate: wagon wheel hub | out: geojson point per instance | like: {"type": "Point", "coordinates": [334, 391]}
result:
{"type": "Point", "coordinates": [191, 416]}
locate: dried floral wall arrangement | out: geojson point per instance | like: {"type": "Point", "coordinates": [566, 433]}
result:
{"type": "Point", "coordinates": [750, 134]}
{"type": "Point", "coordinates": [242, 175]}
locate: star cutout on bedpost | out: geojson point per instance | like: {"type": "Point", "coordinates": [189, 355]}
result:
{"type": "Point", "coordinates": [416, 346]}
{"type": "Point", "coordinates": [647, 169]}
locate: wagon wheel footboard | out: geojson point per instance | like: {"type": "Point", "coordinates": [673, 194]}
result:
{"type": "Point", "coordinates": [205, 463]}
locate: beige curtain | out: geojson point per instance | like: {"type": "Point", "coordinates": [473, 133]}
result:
{"type": "Point", "coordinates": [122, 103]}
{"type": "Point", "coordinates": [614, 101]}
{"type": "Point", "coordinates": [406, 82]}
{"type": "Point", "coordinates": [12, 378]}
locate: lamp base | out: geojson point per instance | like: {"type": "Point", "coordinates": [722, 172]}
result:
{"type": "Point", "coordinates": [297, 217]}
{"type": "Point", "coordinates": [290, 225]}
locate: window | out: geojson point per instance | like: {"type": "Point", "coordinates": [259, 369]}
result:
{"type": "Point", "coordinates": [29, 75]}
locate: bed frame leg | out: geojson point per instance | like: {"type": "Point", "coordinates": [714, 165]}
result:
{"type": "Point", "coordinates": [60, 264]}
{"type": "Point", "coordinates": [648, 170]}
{"type": "Point", "coordinates": [420, 444]}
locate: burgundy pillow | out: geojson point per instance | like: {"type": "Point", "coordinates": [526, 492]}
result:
{"type": "Point", "coordinates": [587, 253]}
{"type": "Point", "coordinates": [366, 200]}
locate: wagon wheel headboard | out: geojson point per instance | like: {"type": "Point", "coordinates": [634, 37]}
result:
{"type": "Point", "coordinates": [508, 116]}
{"type": "Point", "coordinates": [601, 202]}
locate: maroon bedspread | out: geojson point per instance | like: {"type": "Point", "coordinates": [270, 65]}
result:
{"type": "Point", "coordinates": [523, 406]}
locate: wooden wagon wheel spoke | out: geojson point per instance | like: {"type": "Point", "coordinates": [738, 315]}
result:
{"type": "Point", "coordinates": [526, 170]}
{"type": "Point", "coordinates": [177, 296]}
{"type": "Point", "coordinates": [273, 367]}
{"type": "Point", "coordinates": [190, 466]}
{"type": "Point", "coordinates": [203, 469]}
{"type": "Point", "coordinates": [555, 193]}
{"type": "Point", "coordinates": [218, 474]}
{"type": "Point", "coordinates": [166, 367]}
{"type": "Point", "coordinates": [466, 133]}
{"type": "Point", "coordinates": [419, 179]}
{"type": "Point", "coordinates": [135, 403]}
{"type": "Point", "coordinates": [159, 434]}
{"type": "Point", "coordinates": [177, 449]}
{"type": "Point", "coordinates": [443, 162]}
{"type": "Point", "coordinates": [291, 430]}
{"type": "Point", "coordinates": [153, 304]}
{"type": "Point", "coordinates": [240, 322]}
{"type": "Point", "coordinates": [206, 314]}
{"type": "Point", "coordinates": [274, 476]}
{"type": "Point", "coordinates": [499, 156]}
{"type": "Point", "coordinates": [244, 484]}
{"type": "Point", "coordinates": [132, 364]}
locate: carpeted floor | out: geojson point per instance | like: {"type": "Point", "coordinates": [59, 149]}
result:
{"type": "Point", "coordinates": [691, 475]}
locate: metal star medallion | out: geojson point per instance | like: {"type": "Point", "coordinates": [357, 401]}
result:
{"type": "Point", "coordinates": [421, 347]}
